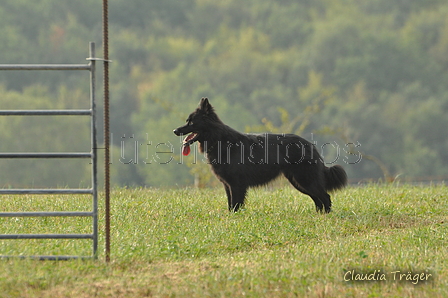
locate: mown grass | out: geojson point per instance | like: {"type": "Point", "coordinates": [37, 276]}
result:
{"type": "Point", "coordinates": [184, 243]}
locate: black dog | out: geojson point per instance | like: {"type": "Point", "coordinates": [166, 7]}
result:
{"type": "Point", "coordinates": [244, 160]}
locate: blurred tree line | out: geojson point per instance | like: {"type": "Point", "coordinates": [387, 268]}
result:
{"type": "Point", "coordinates": [360, 78]}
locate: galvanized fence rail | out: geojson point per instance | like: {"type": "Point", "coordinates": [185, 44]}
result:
{"type": "Point", "coordinates": [92, 155]}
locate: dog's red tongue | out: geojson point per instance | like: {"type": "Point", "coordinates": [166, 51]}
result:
{"type": "Point", "coordinates": [186, 147]}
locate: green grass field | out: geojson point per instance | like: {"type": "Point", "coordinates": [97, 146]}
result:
{"type": "Point", "coordinates": [184, 243]}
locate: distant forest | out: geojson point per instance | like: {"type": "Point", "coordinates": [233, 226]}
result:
{"type": "Point", "coordinates": [365, 80]}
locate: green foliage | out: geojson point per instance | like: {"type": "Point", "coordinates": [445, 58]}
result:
{"type": "Point", "coordinates": [371, 72]}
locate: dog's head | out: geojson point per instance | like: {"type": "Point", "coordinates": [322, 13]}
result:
{"type": "Point", "coordinates": [198, 123]}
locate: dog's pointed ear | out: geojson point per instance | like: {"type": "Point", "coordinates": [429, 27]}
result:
{"type": "Point", "coordinates": [205, 105]}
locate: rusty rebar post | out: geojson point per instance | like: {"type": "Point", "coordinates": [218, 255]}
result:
{"type": "Point", "coordinates": [106, 128]}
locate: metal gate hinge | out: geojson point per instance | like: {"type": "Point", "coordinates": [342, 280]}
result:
{"type": "Point", "coordinates": [98, 59]}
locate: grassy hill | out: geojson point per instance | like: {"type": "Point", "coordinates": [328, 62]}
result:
{"type": "Point", "coordinates": [184, 243]}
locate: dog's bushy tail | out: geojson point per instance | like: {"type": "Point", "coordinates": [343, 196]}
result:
{"type": "Point", "coordinates": [335, 178]}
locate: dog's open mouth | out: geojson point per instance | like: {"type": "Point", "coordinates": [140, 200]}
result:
{"type": "Point", "coordinates": [190, 139]}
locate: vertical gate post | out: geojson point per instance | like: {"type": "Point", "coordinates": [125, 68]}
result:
{"type": "Point", "coordinates": [94, 145]}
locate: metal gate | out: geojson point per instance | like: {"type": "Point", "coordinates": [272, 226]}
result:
{"type": "Point", "coordinates": [91, 112]}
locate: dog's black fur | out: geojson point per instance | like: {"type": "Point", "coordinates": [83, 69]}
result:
{"type": "Point", "coordinates": [241, 160]}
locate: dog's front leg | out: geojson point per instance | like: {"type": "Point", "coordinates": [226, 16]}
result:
{"type": "Point", "coordinates": [229, 195]}
{"type": "Point", "coordinates": [237, 196]}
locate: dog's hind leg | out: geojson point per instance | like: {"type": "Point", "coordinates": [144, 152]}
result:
{"type": "Point", "coordinates": [320, 197]}
{"type": "Point", "coordinates": [322, 201]}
